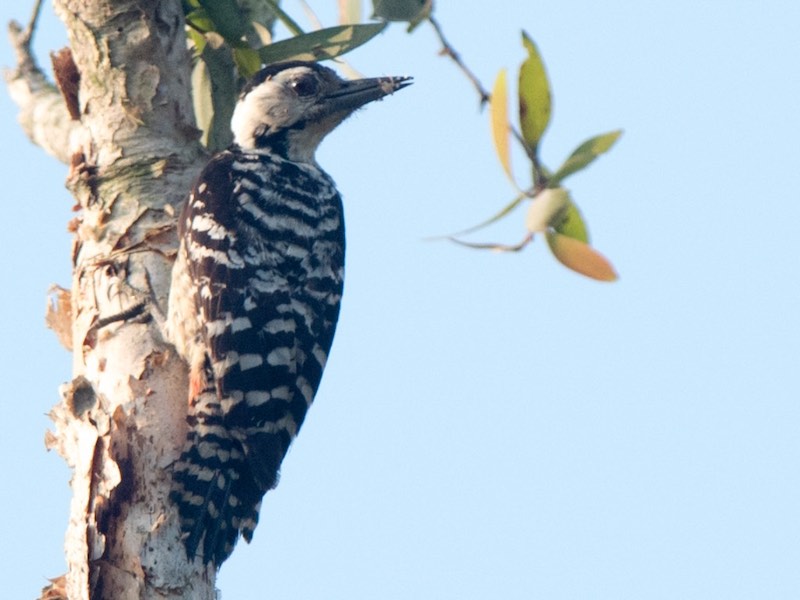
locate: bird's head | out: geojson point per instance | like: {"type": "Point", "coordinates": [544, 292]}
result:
{"type": "Point", "coordinates": [289, 107]}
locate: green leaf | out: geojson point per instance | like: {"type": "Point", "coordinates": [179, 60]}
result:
{"type": "Point", "coordinates": [198, 40]}
{"type": "Point", "coordinates": [322, 44]}
{"type": "Point", "coordinates": [534, 95]}
{"type": "Point", "coordinates": [227, 18]}
{"type": "Point", "coordinates": [498, 115]}
{"type": "Point", "coordinates": [199, 20]}
{"type": "Point", "coordinates": [585, 154]}
{"type": "Point", "coordinates": [247, 61]}
{"type": "Point", "coordinates": [580, 257]}
{"type": "Point", "coordinates": [547, 209]}
{"type": "Point", "coordinates": [400, 10]}
{"type": "Point", "coordinates": [572, 224]}
{"type": "Point", "coordinates": [494, 218]}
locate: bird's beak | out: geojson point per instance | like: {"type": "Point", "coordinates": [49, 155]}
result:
{"type": "Point", "coordinates": [356, 93]}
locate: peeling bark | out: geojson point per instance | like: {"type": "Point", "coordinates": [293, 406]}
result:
{"type": "Point", "coordinates": [132, 154]}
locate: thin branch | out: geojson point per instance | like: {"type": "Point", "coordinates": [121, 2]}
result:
{"type": "Point", "coordinates": [495, 247]}
{"type": "Point", "coordinates": [21, 40]}
{"type": "Point", "coordinates": [448, 50]}
{"type": "Point", "coordinates": [484, 95]}
{"type": "Point", "coordinates": [42, 112]}
{"type": "Point", "coordinates": [539, 176]}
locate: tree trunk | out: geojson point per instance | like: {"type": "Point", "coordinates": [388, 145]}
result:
{"type": "Point", "coordinates": [131, 145]}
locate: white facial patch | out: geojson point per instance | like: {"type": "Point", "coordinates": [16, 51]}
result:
{"type": "Point", "coordinates": [270, 105]}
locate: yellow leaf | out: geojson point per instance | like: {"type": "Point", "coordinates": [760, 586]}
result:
{"type": "Point", "coordinates": [498, 114]}
{"type": "Point", "coordinates": [349, 12]}
{"type": "Point", "coordinates": [201, 97]}
{"type": "Point", "coordinates": [580, 257]}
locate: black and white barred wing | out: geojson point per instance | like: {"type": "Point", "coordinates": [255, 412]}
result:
{"type": "Point", "coordinates": [264, 248]}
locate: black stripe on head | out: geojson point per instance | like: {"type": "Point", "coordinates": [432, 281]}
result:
{"type": "Point", "coordinates": [270, 71]}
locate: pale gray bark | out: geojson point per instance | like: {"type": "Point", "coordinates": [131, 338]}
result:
{"type": "Point", "coordinates": [42, 114]}
{"type": "Point", "coordinates": [120, 424]}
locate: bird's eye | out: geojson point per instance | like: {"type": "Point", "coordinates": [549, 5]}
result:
{"type": "Point", "coordinates": [305, 86]}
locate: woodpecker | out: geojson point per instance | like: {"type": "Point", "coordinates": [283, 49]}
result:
{"type": "Point", "coordinates": [255, 295]}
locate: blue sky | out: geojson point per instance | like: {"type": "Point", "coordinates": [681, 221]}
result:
{"type": "Point", "coordinates": [495, 425]}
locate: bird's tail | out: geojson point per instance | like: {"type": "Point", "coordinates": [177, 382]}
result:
{"type": "Point", "coordinates": [214, 491]}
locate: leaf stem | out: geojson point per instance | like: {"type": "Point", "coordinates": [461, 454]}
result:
{"type": "Point", "coordinates": [528, 150]}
